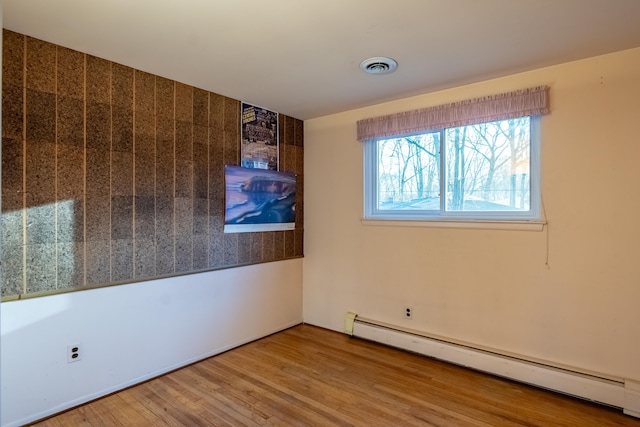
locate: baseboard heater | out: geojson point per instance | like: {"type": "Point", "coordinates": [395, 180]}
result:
{"type": "Point", "coordinates": [616, 392]}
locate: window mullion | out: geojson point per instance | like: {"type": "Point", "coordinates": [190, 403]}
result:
{"type": "Point", "coordinates": [443, 170]}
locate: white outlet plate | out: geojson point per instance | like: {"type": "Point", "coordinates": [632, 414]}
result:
{"type": "Point", "coordinates": [74, 353]}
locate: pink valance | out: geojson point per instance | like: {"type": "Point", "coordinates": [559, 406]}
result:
{"type": "Point", "coordinates": [520, 103]}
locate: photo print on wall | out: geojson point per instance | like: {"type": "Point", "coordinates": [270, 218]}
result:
{"type": "Point", "coordinates": [259, 128]}
{"type": "Point", "coordinates": [259, 200]}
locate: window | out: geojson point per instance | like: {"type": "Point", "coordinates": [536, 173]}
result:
{"type": "Point", "coordinates": [473, 160]}
{"type": "Point", "coordinates": [483, 171]}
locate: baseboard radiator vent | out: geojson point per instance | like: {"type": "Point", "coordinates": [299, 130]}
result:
{"type": "Point", "coordinates": [620, 393]}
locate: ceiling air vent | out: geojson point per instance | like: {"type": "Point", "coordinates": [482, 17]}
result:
{"type": "Point", "coordinates": [378, 65]}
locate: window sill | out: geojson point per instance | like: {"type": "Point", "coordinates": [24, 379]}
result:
{"type": "Point", "coordinates": [481, 225]}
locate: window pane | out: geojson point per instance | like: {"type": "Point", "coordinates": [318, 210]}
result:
{"type": "Point", "coordinates": [409, 173]}
{"type": "Point", "coordinates": [487, 166]}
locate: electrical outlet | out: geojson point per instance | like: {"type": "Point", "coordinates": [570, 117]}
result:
{"type": "Point", "coordinates": [74, 353]}
{"type": "Point", "coordinates": [408, 313]}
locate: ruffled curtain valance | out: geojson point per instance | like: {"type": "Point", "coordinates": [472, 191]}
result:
{"type": "Point", "coordinates": [525, 102]}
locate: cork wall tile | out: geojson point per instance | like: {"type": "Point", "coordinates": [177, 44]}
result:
{"type": "Point", "coordinates": [164, 176]}
{"type": "Point", "coordinates": [98, 80]}
{"type": "Point", "coordinates": [290, 158]}
{"type": "Point", "coordinates": [144, 145]}
{"type": "Point", "coordinates": [278, 244]}
{"type": "Point", "coordinates": [12, 165]}
{"type": "Point", "coordinates": [13, 58]}
{"type": "Point", "coordinates": [184, 140]}
{"type": "Point", "coordinates": [145, 258]}
{"type": "Point", "coordinates": [289, 131]}
{"type": "Point", "coordinates": [145, 123]}
{"type": "Point", "coordinates": [200, 135]}
{"type": "Point", "coordinates": [299, 133]}
{"type": "Point", "coordinates": [255, 255]}
{"type": "Point", "coordinates": [70, 121]}
{"type": "Point", "coordinates": [216, 250]}
{"type": "Point", "coordinates": [12, 270]}
{"type": "Point", "coordinates": [230, 249]}
{"type": "Point", "coordinates": [231, 149]}
{"type": "Point", "coordinates": [200, 216]}
{"type": "Point", "coordinates": [40, 268]}
{"type": "Point", "coordinates": [98, 218]}
{"type": "Point", "coordinates": [216, 217]}
{"type": "Point", "coordinates": [165, 96]}
{"type": "Point", "coordinates": [298, 244]}
{"type": "Point", "coordinates": [184, 102]}
{"type": "Point", "coordinates": [289, 243]}
{"type": "Point", "coordinates": [217, 191]}
{"type": "Point", "coordinates": [69, 220]}
{"type": "Point", "coordinates": [145, 89]}
{"type": "Point", "coordinates": [184, 254]}
{"type": "Point", "coordinates": [12, 111]}
{"type": "Point", "coordinates": [216, 171]}
{"type": "Point", "coordinates": [299, 202]}
{"type": "Point", "coordinates": [98, 172]}
{"type": "Point", "coordinates": [40, 171]}
{"type": "Point", "coordinates": [70, 265]}
{"type": "Point", "coordinates": [184, 178]}
{"type": "Point", "coordinates": [216, 113]}
{"type": "Point", "coordinates": [121, 174]}
{"type": "Point", "coordinates": [41, 116]}
{"type": "Point", "coordinates": [282, 147]}
{"type": "Point", "coordinates": [244, 248]}
{"type": "Point", "coordinates": [200, 171]}
{"type": "Point", "coordinates": [40, 65]}
{"type": "Point", "coordinates": [231, 131]}
{"type": "Point", "coordinates": [216, 144]}
{"type": "Point", "coordinates": [200, 107]}
{"type": "Point", "coordinates": [70, 171]}
{"type": "Point", "coordinates": [145, 217]}
{"type": "Point", "coordinates": [122, 87]}
{"type": "Point", "coordinates": [165, 255]}
{"type": "Point", "coordinates": [98, 126]}
{"type": "Point", "coordinates": [12, 219]}
{"type": "Point", "coordinates": [121, 129]}
{"type": "Point", "coordinates": [282, 125]}
{"type": "Point", "coordinates": [267, 246]}
{"type": "Point", "coordinates": [164, 217]}
{"type": "Point", "coordinates": [299, 160]}
{"type": "Point", "coordinates": [200, 252]}
{"type": "Point", "coordinates": [98, 262]}
{"type": "Point", "coordinates": [70, 73]}
{"type": "Point", "coordinates": [145, 175]}
{"type": "Point", "coordinates": [121, 217]}
{"type": "Point", "coordinates": [165, 134]}
{"type": "Point", "coordinates": [183, 216]}
{"type": "Point", "coordinates": [121, 260]}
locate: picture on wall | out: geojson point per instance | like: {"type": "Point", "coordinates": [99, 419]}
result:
{"type": "Point", "coordinates": [259, 200]}
{"type": "Point", "coordinates": [259, 128]}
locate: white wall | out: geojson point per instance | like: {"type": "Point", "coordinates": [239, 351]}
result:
{"type": "Point", "coordinates": [133, 332]}
{"type": "Point", "coordinates": [493, 288]}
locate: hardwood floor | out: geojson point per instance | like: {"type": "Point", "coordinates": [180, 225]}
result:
{"type": "Point", "coordinates": [308, 376]}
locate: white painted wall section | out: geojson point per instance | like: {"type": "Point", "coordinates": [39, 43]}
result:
{"type": "Point", "coordinates": [133, 332]}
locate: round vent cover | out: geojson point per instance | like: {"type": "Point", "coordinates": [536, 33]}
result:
{"type": "Point", "coordinates": [378, 65]}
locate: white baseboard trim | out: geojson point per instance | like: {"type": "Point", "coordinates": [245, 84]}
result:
{"type": "Point", "coordinates": [632, 398]}
{"type": "Point", "coordinates": [624, 394]}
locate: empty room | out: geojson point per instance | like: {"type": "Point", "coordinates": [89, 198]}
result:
{"type": "Point", "coordinates": [320, 213]}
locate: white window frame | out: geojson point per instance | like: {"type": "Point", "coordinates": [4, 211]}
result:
{"type": "Point", "coordinates": [473, 219]}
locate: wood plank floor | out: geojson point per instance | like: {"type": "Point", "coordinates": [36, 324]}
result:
{"type": "Point", "coordinates": [308, 376]}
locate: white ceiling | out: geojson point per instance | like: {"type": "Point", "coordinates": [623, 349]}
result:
{"type": "Point", "coordinates": [301, 57]}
